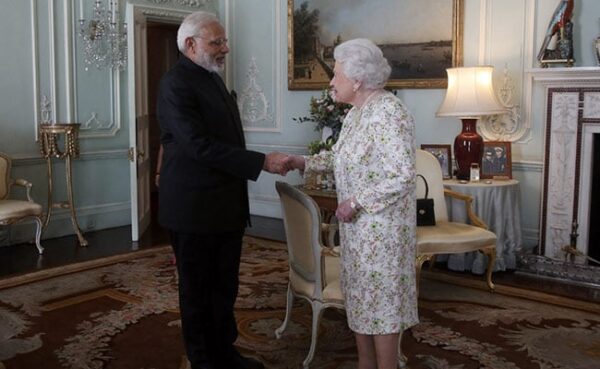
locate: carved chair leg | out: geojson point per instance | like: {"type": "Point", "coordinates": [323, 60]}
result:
{"type": "Point", "coordinates": [38, 234]}
{"type": "Point", "coordinates": [431, 262]}
{"type": "Point", "coordinates": [288, 312]}
{"type": "Point", "coordinates": [491, 254]}
{"type": "Point", "coordinates": [420, 260]}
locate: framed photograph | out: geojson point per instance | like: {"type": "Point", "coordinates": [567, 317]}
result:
{"type": "Point", "coordinates": [443, 155]}
{"type": "Point", "coordinates": [496, 162]}
{"type": "Point", "coordinates": [420, 39]}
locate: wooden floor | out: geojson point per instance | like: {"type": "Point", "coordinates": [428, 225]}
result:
{"type": "Point", "coordinates": [20, 259]}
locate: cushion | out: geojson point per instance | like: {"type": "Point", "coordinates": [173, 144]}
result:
{"type": "Point", "coordinates": [15, 209]}
{"type": "Point", "coordinates": [452, 237]}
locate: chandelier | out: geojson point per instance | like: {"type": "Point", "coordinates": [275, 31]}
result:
{"type": "Point", "coordinates": [104, 36]}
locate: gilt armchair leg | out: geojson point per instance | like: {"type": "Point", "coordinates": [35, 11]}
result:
{"type": "Point", "coordinates": [420, 260]}
{"type": "Point", "coordinates": [491, 253]}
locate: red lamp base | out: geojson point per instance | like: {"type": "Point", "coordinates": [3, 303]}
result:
{"type": "Point", "coordinates": [468, 147]}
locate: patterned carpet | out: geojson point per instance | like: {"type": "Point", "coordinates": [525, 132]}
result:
{"type": "Point", "coordinates": [121, 313]}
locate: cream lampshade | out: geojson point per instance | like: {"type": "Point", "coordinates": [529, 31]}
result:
{"type": "Point", "coordinates": [470, 95]}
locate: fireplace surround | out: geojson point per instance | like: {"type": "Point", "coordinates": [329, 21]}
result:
{"type": "Point", "coordinates": [572, 128]}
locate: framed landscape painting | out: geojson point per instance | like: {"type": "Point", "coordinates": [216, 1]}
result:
{"type": "Point", "coordinates": [420, 39]}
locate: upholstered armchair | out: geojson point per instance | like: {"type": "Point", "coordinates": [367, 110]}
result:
{"type": "Point", "coordinates": [314, 269]}
{"type": "Point", "coordinates": [13, 211]}
{"type": "Point", "coordinates": [449, 237]}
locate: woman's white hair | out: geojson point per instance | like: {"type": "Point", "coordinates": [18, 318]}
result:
{"type": "Point", "coordinates": [363, 61]}
{"type": "Point", "coordinates": [192, 25]}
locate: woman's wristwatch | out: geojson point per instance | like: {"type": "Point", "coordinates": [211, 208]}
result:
{"type": "Point", "coordinates": [354, 205]}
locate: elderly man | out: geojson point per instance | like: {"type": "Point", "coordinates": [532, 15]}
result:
{"type": "Point", "coordinates": [203, 196]}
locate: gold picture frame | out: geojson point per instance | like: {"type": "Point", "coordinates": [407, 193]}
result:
{"type": "Point", "coordinates": [496, 162]}
{"type": "Point", "coordinates": [418, 63]}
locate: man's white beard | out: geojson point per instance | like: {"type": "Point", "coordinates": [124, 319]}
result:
{"type": "Point", "coordinates": [209, 63]}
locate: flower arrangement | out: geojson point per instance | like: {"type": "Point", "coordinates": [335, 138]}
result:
{"type": "Point", "coordinates": [326, 113]}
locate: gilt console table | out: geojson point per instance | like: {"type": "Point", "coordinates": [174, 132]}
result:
{"type": "Point", "coordinates": [50, 135]}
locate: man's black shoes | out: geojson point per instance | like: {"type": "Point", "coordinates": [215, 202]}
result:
{"type": "Point", "coordinates": [240, 362]}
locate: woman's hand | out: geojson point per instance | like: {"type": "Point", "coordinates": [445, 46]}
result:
{"type": "Point", "coordinates": [295, 162]}
{"type": "Point", "coordinates": [347, 209]}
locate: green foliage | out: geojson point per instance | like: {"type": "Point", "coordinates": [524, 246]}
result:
{"type": "Point", "coordinates": [326, 113]}
{"type": "Point", "coordinates": [316, 146]}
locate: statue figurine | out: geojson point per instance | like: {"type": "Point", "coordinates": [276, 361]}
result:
{"type": "Point", "coordinates": [561, 27]}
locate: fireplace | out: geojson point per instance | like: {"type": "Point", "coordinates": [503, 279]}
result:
{"type": "Point", "coordinates": [572, 123]}
{"type": "Point", "coordinates": [588, 194]}
{"type": "Point", "coordinates": [593, 239]}
{"type": "Point", "coordinates": [569, 232]}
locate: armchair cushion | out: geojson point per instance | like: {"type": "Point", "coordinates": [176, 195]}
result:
{"type": "Point", "coordinates": [455, 238]}
{"type": "Point", "coordinates": [16, 209]}
{"type": "Point", "coordinates": [332, 289]}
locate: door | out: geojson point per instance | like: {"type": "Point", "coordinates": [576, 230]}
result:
{"type": "Point", "coordinates": [139, 153]}
{"type": "Point", "coordinates": [152, 44]}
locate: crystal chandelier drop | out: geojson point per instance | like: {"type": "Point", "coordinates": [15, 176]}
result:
{"type": "Point", "coordinates": [104, 36]}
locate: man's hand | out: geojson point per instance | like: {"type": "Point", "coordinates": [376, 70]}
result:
{"type": "Point", "coordinates": [276, 163]}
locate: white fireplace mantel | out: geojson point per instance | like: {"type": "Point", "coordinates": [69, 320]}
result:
{"type": "Point", "coordinates": [565, 77]}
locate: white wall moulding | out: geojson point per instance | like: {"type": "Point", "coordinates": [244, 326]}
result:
{"type": "Point", "coordinates": [95, 126]}
{"type": "Point", "coordinates": [498, 21]}
{"type": "Point", "coordinates": [508, 126]}
{"type": "Point", "coordinates": [21, 161]}
{"type": "Point", "coordinates": [290, 149]}
{"type": "Point", "coordinates": [189, 3]}
{"type": "Point", "coordinates": [528, 166]}
{"type": "Point", "coordinates": [253, 104]}
{"type": "Point", "coordinates": [259, 93]}
{"type": "Point", "coordinates": [96, 217]}
{"type": "Point", "coordinates": [163, 15]}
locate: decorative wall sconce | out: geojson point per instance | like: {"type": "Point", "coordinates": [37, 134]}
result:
{"type": "Point", "coordinates": [104, 36]}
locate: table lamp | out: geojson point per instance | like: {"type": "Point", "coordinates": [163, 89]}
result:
{"type": "Point", "coordinates": [470, 95]}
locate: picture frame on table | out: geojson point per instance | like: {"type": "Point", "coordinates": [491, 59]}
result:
{"type": "Point", "coordinates": [443, 153]}
{"type": "Point", "coordinates": [420, 39]}
{"type": "Point", "coordinates": [496, 162]}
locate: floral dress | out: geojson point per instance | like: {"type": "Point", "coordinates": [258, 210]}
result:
{"type": "Point", "coordinates": [374, 161]}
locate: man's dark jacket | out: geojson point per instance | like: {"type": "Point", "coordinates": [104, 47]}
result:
{"type": "Point", "coordinates": [205, 168]}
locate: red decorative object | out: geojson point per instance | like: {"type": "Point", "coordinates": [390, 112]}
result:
{"type": "Point", "coordinates": [468, 148]}
{"type": "Point", "coordinates": [470, 95]}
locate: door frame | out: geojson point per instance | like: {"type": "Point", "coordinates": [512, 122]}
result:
{"type": "Point", "coordinates": [145, 13]}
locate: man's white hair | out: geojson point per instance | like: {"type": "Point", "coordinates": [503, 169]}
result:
{"type": "Point", "coordinates": [192, 25]}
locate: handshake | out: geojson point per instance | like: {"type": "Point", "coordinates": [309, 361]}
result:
{"type": "Point", "coordinates": [280, 163]}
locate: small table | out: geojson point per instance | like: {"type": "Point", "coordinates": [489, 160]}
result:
{"type": "Point", "coordinates": [325, 198]}
{"type": "Point", "coordinates": [49, 148]}
{"type": "Point", "coordinates": [327, 201]}
{"type": "Point", "coordinates": [497, 203]}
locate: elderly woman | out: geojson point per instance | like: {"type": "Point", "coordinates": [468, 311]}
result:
{"type": "Point", "coordinates": [374, 166]}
